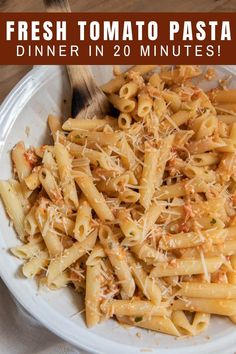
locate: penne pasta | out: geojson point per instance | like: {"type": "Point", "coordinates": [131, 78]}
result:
{"type": "Point", "coordinates": [30, 222]}
{"type": "Point", "coordinates": [127, 155]}
{"type": "Point", "coordinates": [205, 159]}
{"type": "Point", "coordinates": [32, 181]}
{"type": "Point", "coordinates": [132, 308]}
{"type": "Point", "coordinates": [124, 121]}
{"type": "Point", "coordinates": [227, 118]}
{"type": "Point", "coordinates": [87, 124]}
{"type": "Point", "coordinates": [144, 105]}
{"type": "Point", "coordinates": [201, 322]}
{"type": "Point", "coordinates": [96, 256]}
{"type": "Point", "coordinates": [205, 145]}
{"type": "Point", "coordinates": [182, 323]}
{"type": "Point", "coordinates": [211, 291]}
{"type": "Point", "coordinates": [93, 138]}
{"type": "Point", "coordinates": [185, 267]}
{"type": "Point", "coordinates": [50, 237]}
{"type": "Point", "coordinates": [60, 282]}
{"type": "Point", "coordinates": [156, 82]}
{"type": "Point", "coordinates": [163, 158]}
{"type": "Point", "coordinates": [35, 265]}
{"type": "Point", "coordinates": [155, 323]}
{"type": "Point", "coordinates": [212, 306]}
{"type": "Point", "coordinates": [83, 219]}
{"type": "Point", "coordinates": [23, 161]}
{"type": "Point", "coordinates": [196, 185]}
{"type": "Point", "coordinates": [28, 250]}
{"type": "Point", "coordinates": [147, 253]}
{"type": "Point", "coordinates": [231, 275]}
{"type": "Point", "coordinates": [92, 294]}
{"type": "Point", "coordinates": [225, 96]}
{"type": "Point", "coordinates": [50, 185]}
{"type": "Point", "coordinates": [192, 239]}
{"type": "Point", "coordinates": [69, 256]}
{"type": "Point", "coordinates": [147, 285]}
{"type": "Point", "coordinates": [132, 231]}
{"type": "Point", "coordinates": [177, 119]}
{"type": "Point", "coordinates": [116, 256]}
{"type": "Point", "coordinates": [160, 107]}
{"type": "Point", "coordinates": [65, 171]}
{"type": "Point", "coordinates": [64, 224]}
{"type": "Point", "coordinates": [148, 178]}
{"type": "Point", "coordinates": [113, 185]}
{"type": "Point", "coordinates": [229, 108]}
{"type": "Point", "coordinates": [13, 207]}
{"type": "Point", "coordinates": [54, 124]}
{"type": "Point", "coordinates": [95, 199]}
{"type": "Point", "coordinates": [172, 99]}
{"type": "Point", "coordinates": [124, 105]}
{"type": "Point", "coordinates": [128, 90]}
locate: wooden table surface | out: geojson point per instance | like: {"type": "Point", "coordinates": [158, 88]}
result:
{"type": "Point", "coordinates": [11, 74]}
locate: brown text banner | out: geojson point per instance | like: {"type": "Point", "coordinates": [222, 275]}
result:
{"type": "Point", "coordinates": [122, 38]}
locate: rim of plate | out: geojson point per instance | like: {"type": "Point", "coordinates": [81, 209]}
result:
{"type": "Point", "coordinates": [57, 323]}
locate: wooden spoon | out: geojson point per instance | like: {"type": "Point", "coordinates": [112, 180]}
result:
{"type": "Point", "coordinates": [88, 100]}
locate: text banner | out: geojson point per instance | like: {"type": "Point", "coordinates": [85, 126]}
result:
{"type": "Point", "coordinates": [123, 38]}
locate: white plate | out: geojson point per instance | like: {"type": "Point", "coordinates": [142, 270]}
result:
{"type": "Point", "coordinates": [40, 92]}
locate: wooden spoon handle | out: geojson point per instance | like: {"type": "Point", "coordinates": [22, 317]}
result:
{"type": "Point", "coordinates": [83, 85]}
{"type": "Point", "coordinates": [57, 5]}
{"type": "Point", "coordinates": [87, 98]}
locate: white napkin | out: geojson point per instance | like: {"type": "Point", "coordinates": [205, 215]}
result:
{"type": "Point", "coordinates": [22, 334]}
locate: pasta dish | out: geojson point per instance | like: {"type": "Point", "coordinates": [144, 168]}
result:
{"type": "Point", "coordinates": [136, 213]}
